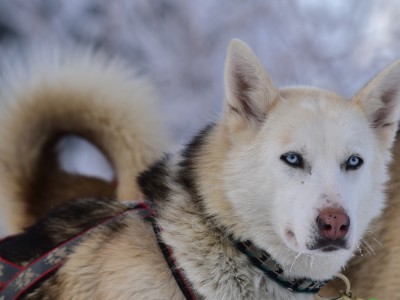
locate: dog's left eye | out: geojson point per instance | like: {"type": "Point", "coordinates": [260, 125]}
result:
{"type": "Point", "coordinates": [353, 162]}
{"type": "Point", "coordinates": [293, 159]}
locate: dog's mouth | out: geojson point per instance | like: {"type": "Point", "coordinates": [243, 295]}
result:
{"type": "Point", "coordinates": [318, 244]}
{"type": "Point", "coordinates": [327, 245]}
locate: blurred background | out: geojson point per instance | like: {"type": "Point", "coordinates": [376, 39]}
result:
{"type": "Point", "coordinates": [181, 46]}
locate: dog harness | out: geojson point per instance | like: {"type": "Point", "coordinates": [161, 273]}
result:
{"type": "Point", "coordinates": [16, 280]}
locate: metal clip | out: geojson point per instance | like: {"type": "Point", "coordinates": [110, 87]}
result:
{"type": "Point", "coordinates": [343, 294]}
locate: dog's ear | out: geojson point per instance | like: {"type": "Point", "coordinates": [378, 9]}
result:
{"type": "Point", "coordinates": [248, 90]}
{"type": "Point", "coordinates": [380, 101]}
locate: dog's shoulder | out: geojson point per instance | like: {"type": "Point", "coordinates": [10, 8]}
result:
{"type": "Point", "coordinates": [61, 224]}
{"type": "Point", "coordinates": [119, 259]}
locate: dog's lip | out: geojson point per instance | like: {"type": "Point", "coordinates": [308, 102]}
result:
{"type": "Point", "coordinates": [329, 246]}
{"type": "Point", "coordinates": [319, 245]}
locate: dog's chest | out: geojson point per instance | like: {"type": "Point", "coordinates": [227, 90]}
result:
{"type": "Point", "coordinates": [216, 269]}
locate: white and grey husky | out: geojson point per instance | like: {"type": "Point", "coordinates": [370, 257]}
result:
{"type": "Point", "coordinates": [269, 202]}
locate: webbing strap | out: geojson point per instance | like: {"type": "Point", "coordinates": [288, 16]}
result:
{"type": "Point", "coordinates": [16, 280]}
{"type": "Point", "coordinates": [176, 272]}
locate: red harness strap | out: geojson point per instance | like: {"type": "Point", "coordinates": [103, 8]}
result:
{"type": "Point", "coordinates": [170, 259]}
{"type": "Point", "coordinates": [180, 279]}
{"type": "Point", "coordinates": [16, 280]}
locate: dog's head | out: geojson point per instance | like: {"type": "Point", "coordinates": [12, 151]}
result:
{"type": "Point", "coordinates": [306, 168]}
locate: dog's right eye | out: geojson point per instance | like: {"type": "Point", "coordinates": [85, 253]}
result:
{"type": "Point", "coordinates": [292, 159]}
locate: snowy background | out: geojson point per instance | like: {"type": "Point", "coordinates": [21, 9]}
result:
{"type": "Point", "coordinates": [181, 46]}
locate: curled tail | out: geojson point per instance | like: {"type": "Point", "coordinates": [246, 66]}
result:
{"type": "Point", "coordinates": [53, 93]}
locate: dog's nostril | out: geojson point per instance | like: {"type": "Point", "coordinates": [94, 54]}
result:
{"type": "Point", "coordinates": [327, 227]}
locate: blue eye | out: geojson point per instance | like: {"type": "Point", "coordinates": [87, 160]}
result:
{"type": "Point", "coordinates": [353, 162]}
{"type": "Point", "coordinates": [293, 159]}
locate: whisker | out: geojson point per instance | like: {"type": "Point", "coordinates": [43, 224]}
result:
{"type": "Point", "coordinates": [311, 263]}
{"type": "Point", "coordinates": [366, 249]}
{"type": "Point", "coordinates": [369, 246]}
{"type": "Point", "coordinates": [378, 242]}
{"type": "Point", "coordinates": [291, 266]}
{"type": "Point", "coordinates": [372, 235]}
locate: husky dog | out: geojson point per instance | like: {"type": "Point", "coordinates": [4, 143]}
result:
{"type": "Point", "coordinates": [269, 202]}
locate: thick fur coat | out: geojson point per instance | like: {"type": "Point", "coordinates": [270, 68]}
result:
{"type": "Point", "coordinates": [51, 93]}
{"type": "Point", "coordinates": [266, 171]}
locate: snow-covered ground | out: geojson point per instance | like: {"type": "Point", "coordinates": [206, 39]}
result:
{"type": "Point", "coordinates": [181, 46]}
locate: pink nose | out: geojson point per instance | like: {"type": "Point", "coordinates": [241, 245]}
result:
{"type": "Point", "coordinates": [333, 223]}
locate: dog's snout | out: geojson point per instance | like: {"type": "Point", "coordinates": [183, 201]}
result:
{"type": "Point", "coordinates": [333, 223]}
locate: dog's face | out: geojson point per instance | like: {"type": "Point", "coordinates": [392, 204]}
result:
{"type": "Point", "coordinates": [306, 168]}
{"type": "Point", "coordinates": [320, 165]}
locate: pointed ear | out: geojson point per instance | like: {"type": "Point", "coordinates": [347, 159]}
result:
{"type": "Point", "coordinates": [248, 90]}
{"type": "Point", "coordinates": [380, 100]}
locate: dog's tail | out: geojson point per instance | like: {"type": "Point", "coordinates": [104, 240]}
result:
{"type": "Point", "coordinates": [53, 93]}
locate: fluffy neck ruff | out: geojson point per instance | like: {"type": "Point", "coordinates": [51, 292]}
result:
{"type": "Point", "coordinates": [205, 152]}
